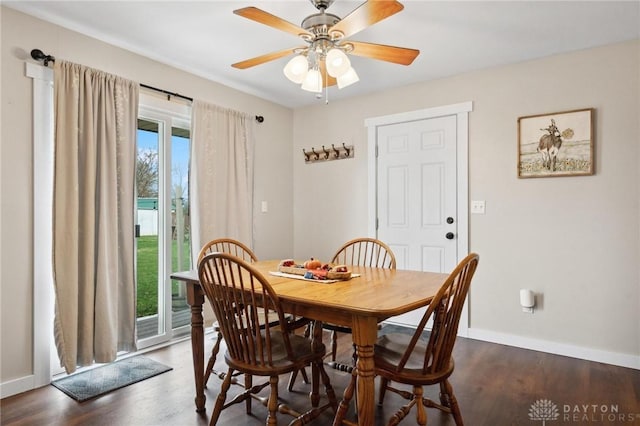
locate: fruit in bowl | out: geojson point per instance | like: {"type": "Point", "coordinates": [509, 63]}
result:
{"type": "Point", "coordinates": [312, 264]}
{"type": "Point", "coordinates": [340, 268]}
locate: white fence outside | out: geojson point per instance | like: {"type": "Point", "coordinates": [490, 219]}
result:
{"type": "Point", "coordinates": [148, 221]}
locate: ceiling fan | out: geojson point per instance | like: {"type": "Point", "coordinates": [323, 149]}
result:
{"type": "Point", "coordinates": [323, 61]}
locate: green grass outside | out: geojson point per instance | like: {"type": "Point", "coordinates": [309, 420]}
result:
{"type": "Point", "coordinates": [147, 273]}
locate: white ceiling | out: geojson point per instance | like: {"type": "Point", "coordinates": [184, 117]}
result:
{"type": "Point", "coordinates": [454, 37]}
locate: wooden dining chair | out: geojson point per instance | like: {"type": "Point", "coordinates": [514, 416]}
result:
{"type": "Point", "coordinates": [413, 360]}
{"type": "Point", "coordinates": [244, 301]}
{"type": "Point", "coordinates": [361, 252]}
{"type": "Point", "coordinates": [238, 249]}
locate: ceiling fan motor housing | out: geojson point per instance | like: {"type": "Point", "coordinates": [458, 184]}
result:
{"type": "Point", "coordinates": [321, 4]}
{"type": "Point", "coordinates": [319, 23]}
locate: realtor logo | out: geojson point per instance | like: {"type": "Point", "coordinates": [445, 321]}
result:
{"type": "Point", "coordinates": [544, 409]}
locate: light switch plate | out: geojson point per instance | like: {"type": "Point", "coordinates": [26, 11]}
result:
{"type": "Point", "coordinates": [477, 207]}
{"type": "Point", "coordinates": [265, 207]}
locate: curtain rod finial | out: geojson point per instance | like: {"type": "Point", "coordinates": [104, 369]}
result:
{"type": "Point", "coordinates": [39, 55]}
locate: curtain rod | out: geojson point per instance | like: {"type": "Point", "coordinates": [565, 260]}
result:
{"type": "Point", "coordinates": [38, 55]}
{"type": "Point", "coordinates": [259, 118]}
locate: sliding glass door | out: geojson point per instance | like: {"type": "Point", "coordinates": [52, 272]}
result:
{"type": "Point", "coordinates": [162, 230]}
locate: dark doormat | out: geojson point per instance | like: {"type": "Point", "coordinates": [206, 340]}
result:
{"type": "Point", "coordinates": [98, 381]}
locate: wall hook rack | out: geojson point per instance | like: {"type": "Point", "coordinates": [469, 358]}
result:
{"type": "Point", "coordinates": [328, 154]}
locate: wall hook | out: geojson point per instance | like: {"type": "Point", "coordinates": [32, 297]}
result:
{"type": "Point", "coordinates": [347, 151]}
{"type": "Point", "coordinates": [326, 153]}
{"type": "Point", "coordinates": [336, 152]}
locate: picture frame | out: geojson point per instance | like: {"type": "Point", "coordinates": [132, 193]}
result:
{"type": "Point", "coordinates": [556, 144]}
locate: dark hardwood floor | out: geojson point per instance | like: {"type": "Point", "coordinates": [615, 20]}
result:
{"type": "Point", "coordinates": [495, 385]}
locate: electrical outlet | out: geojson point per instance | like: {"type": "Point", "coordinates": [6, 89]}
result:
{"type": "Point", "coordinates": [477, 207]}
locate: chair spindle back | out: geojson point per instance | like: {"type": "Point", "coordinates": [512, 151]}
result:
{"type": "Point", "coordinates": [445, 308]}
{"type": "Point", "coordinates": [365, 252]}
{"type": "Point", "coordinates": [228, 245]}
{"type": "Point", "coordinates": [242, 300]}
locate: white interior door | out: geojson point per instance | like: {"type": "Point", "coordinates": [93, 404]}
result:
{"type": "Point", "coordinates": [421, 191]}
{"type": "Point", "coordinates": [417, 212]}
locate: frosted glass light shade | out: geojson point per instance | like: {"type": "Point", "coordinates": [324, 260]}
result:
{"type": "Point", "coordinates": [337, 63]}
{"type": "Point", "coordinates": [296, 69]}
{"type": "Point", "coordinates": [313, 81]}
{"type": "Point", "coordinates": [348, 78]}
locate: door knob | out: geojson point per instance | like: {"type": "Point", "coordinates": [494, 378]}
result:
{"type": "Point", "coordinates": [450, 220]}
{"type": "Point", "coordinates": [450, 235]}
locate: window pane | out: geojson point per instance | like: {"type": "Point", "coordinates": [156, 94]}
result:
{"type": "Point", "coordinates": [147, 222]}
{"type": "Point", "coordinates": [181, 236]}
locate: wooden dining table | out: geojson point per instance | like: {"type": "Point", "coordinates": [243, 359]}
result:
{"type": "Point", "coordinates": [360, 303]}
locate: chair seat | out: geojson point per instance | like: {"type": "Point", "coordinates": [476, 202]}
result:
{"type": "Point", "coordinates": [303, 353]}
{"type": "Point", "coordinates": [389, 350]}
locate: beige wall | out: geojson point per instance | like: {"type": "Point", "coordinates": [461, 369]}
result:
{"type": "Point", "coordinates": [574, 239]}
{"type": "Point", "coordinates": [20, 34]}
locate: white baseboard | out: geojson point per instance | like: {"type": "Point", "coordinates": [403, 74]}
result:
{"type": "Point", "coordinates": [14, 387]}
{"type": "Point", "coordinates": [573, 351]}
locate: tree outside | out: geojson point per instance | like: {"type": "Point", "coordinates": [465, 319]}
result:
{"type": "Point", "coordinates": [147, 173]}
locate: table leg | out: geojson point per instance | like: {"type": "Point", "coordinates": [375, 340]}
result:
{"type": "Point", "coordinates": [195, 299]}
{"type": "Point", "coordinates": [316, 340]}
{"type": "Point", "coordinates": [364, 335]}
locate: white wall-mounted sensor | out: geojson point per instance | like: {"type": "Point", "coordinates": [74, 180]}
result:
{"type": "Point", "coordinates": [527, 300]}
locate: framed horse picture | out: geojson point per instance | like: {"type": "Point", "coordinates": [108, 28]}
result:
{"type": "Point", "coordinates": [557, 144]}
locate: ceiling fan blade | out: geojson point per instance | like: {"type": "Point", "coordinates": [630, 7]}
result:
{"type": "Point", "coordinates": [258, 60]}
{"type": "Point", "coordinates": [327, 80]}
{"type": "Point", "coordinates": [273, 21]}
{"type": "Point", "coordinates": [397, 55]}
{"type": "Point", "coordinates": [365, 15]}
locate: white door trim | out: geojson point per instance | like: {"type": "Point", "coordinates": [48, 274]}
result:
{"type": "Point", "coordinates": [43, 306]}
{"type": "Point", "coordinates": [461, 111]}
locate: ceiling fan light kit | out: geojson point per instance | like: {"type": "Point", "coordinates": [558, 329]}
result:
{"type": "Point", "coordinates": [324, 61]}
{"type": "Point", "coordinates": [337, 62]}
{"type": "Point", "coordinates": [296, 69]}
{"type": "Point", "coordinates": [312, 81]}
{"type": "Point", "coordinates": [348, 78]}
{"type": "Point", "coordinates": [300, 70]}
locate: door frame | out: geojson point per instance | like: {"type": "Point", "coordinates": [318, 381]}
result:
{"type": "Point", "coordinates": [170, 114]}
{"type": "Point", "coordinates": [461, 111]}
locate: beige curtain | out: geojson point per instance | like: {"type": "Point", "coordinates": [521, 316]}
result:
{"type": "Point", "coordinates": [221, 191]}
{"type": "Point", "coordinates": [95, 131]}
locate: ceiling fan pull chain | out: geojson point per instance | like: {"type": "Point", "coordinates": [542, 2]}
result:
{"type": "Point", "coordinates": [326, 86]}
